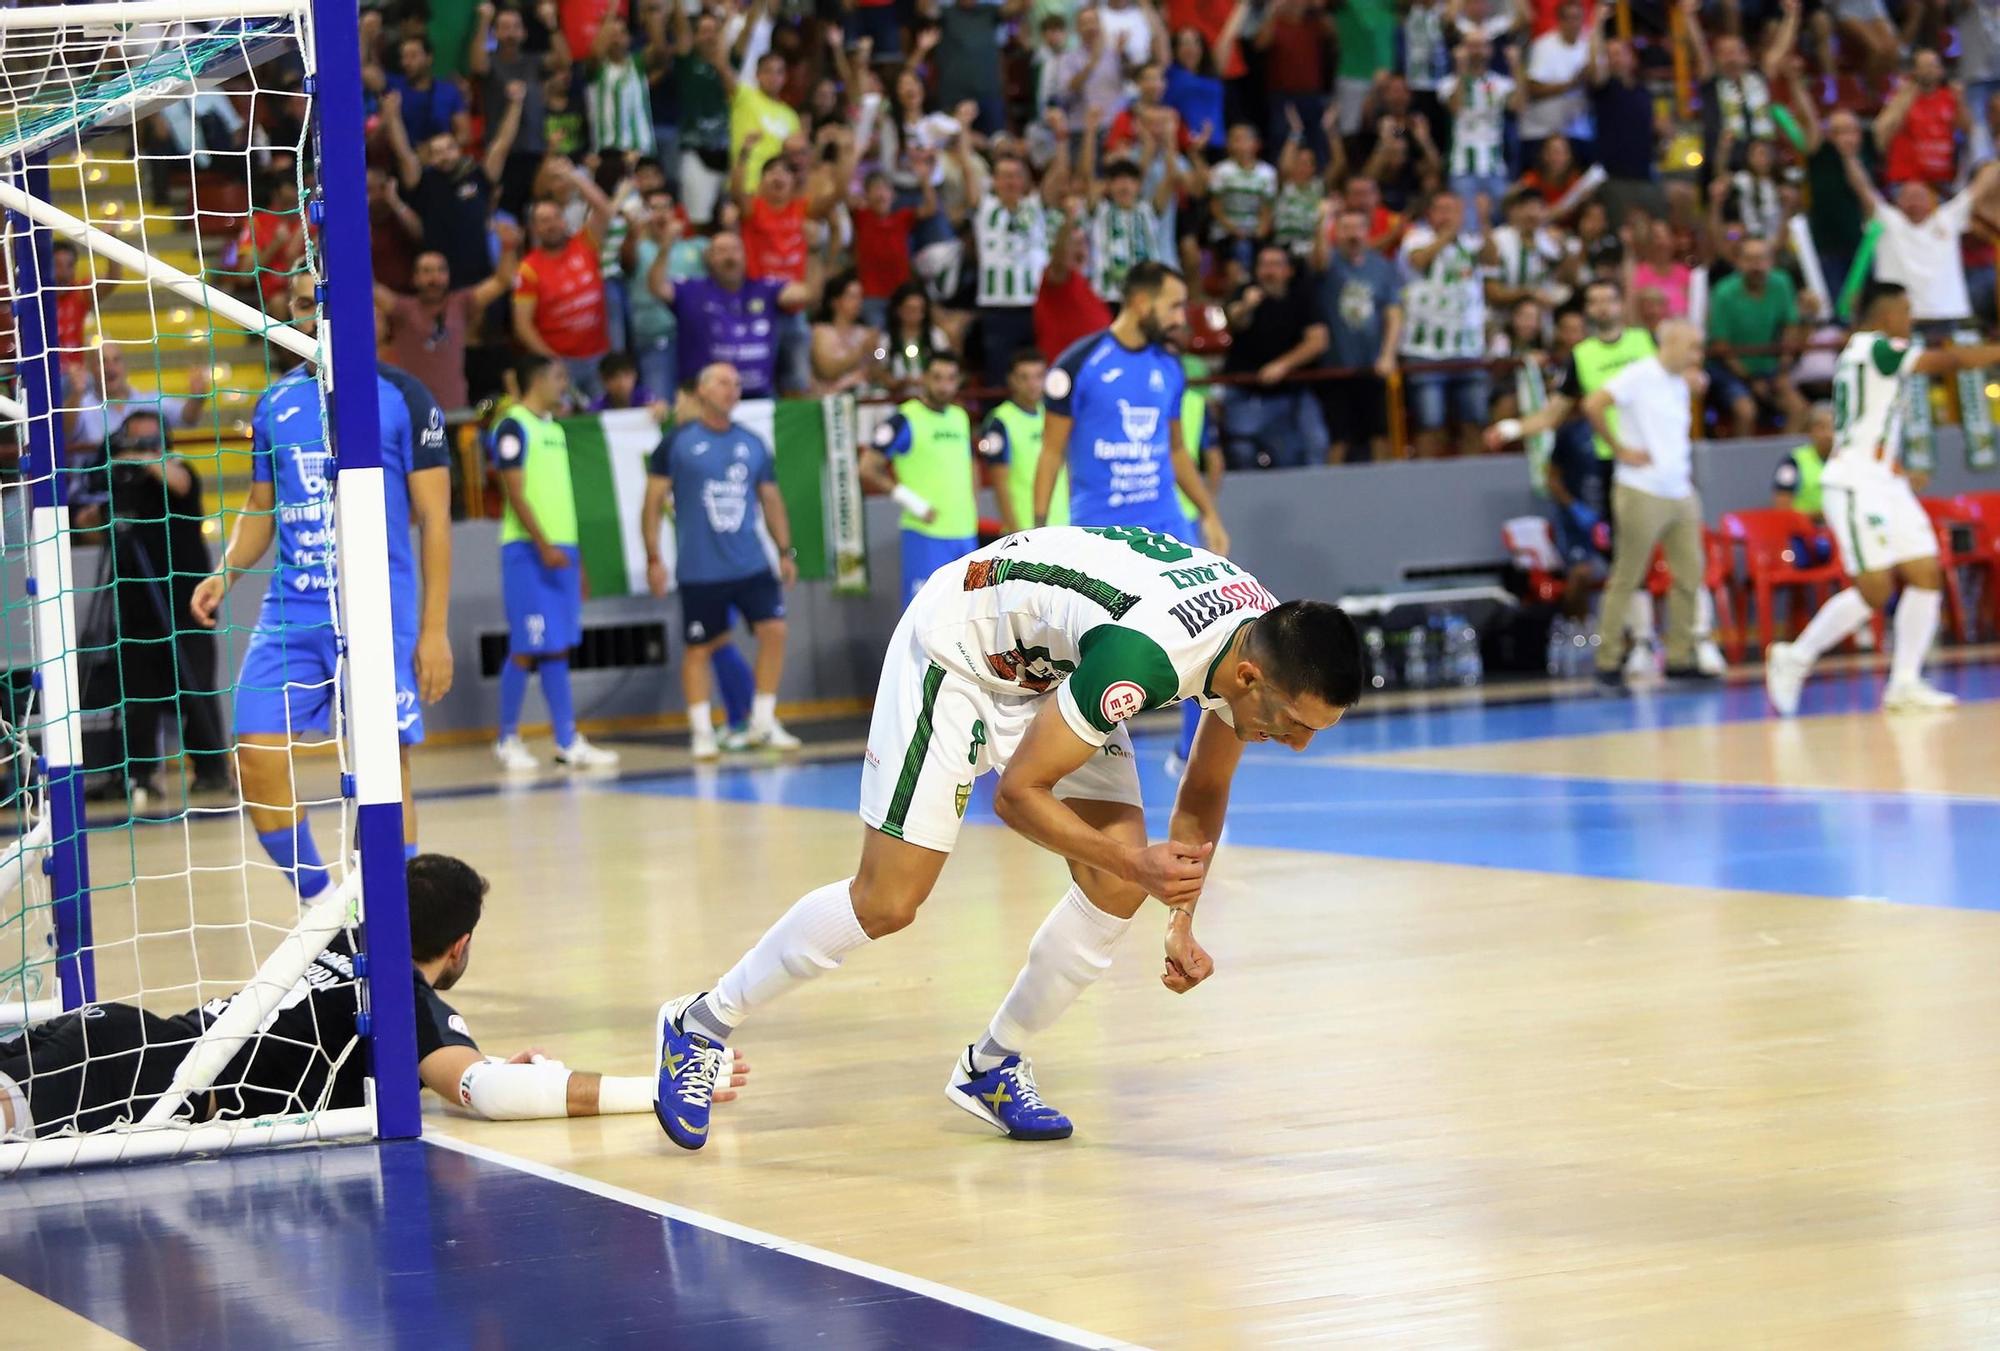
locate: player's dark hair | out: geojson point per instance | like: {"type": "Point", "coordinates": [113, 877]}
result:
{"type": "Point", "coordinates": [944, 355]}
{"type": "Point", "coordinates": [1024, 356]}
{"type": "Point", "coordinates": [529, 366]}
{"type": "Point", "coordinates": [1311, 647]}
{"type": "Point", "coordinates": [446, 895]}
{"type": "Point", "coordinates": [615, 364]}
{"type": "Point", "coordinates": [1123, 168]}
{"type": "Point", "coordinates": [1878, 291]}
{"type": "Point", "coordinates": [1145, 280]}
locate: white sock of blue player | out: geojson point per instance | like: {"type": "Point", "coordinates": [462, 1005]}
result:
{"type": "Point", "coordinates": [808, 940]}
{"type": "Point", "coordinates": [292, 849]}
{"type": "Point", "coordinates": [763, 710]}
{"type": "Point", "coordinates": [513, 694]}
{"type": "Point", "coordinates": [735, 681]}
{"type": "Point", "coordinates": [1067, 955]}
{"type": "Point", "coordinates": [1916, 628]}
{"type": "Point", "coordinates": [1833, 625]}
{"type": "Point", "coordinates": [555, 690]}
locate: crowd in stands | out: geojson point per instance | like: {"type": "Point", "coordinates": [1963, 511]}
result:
{"type": "Point", "coordinates": [1416, 194]}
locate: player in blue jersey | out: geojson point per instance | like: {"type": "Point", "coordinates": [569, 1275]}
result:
{"type": "Point", "coordinates": [286, 687]}
{"type": "Point", "coordinates": [1114, 404]}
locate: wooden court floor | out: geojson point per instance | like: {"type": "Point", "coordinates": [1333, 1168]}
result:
{"type": "Point", "coordinates": [1421, 1103]}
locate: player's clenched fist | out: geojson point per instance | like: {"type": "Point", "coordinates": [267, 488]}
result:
{"type": "Point", "coordinates": [1172, 870]}
{"type": "Point", "coordinates": [1188, 963]}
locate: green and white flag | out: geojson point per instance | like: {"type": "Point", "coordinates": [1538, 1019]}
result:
{"type": "Point", "coordinates": [607, 469]}
{"type": "Point", "coordinates": [1531, 396]}
{"type": "Point", "coordinates": [1975, 411]}
{"type": "Point", "coordinates": [1919, 433]}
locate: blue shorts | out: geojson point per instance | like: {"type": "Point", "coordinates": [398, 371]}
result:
{"type": "Point", "coordinates": [705, 606]}
{"type": "Point", "coordinates": [924, 554]}
{"type": "Point", "coordinates": [1440, 398]}
{"type": "Point", "coordinates": [286, 685]}
{"type": "Point", "coordinates": [544, 605]}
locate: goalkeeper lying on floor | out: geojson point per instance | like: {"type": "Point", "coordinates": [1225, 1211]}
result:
{"type": "Point", "coordinates": [106, 1064]}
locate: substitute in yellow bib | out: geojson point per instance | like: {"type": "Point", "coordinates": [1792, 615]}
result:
{"type": "Point", "coordinates": [1011, 443]}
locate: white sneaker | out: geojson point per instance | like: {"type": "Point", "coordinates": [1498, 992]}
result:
{"type": "Point", "coordinates": [1708, 658]}
{"type": "Point", "coordinates": [1641, 663]}
{"type": "Point", "coordinates": [580, 754]}
{"type": "Point", "coordinates": [1785, 674]}
{"type": "Point", "coordinates": [515, 757]}
{"type": "Point", "coordinates": [1915, 695]}
{"type": "Point", "coordinates": [702, 744]}
{"type": "Point", "coordinates": [772, 736]}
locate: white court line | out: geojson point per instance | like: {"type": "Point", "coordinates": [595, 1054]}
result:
{"type": "Point", "coordinates": [916, 1285]}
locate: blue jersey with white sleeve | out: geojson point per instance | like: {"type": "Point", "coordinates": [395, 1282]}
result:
{"type": "Point", "coordinates": [1122, 405]}
{"type": "Point", "coordinates": [289, 451]}
{"type": "Point", "coordinates": [716, 475]}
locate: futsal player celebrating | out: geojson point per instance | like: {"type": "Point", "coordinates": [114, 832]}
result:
{"type": "Point", "coordinates": [95, 1067]}
{"type": "Point", "coordinates": [1114, 404]}
{"type": "Point", "coordinates": [287, 682]}
{"type": "Point", "coordinates": [541, 580]}
{"type": "Point", "coordinates": [1881, 530]}
{"type": "Point", "coordinates": [1028, 657]}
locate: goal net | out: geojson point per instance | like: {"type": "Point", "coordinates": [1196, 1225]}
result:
{"type": "Point", "coordinates": [175, 177]}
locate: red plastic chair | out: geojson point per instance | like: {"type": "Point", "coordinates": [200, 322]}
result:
{"type": "Point", "coordinates": [1770, 562]}
{"type": "Point", "coordinates": [1716, 579]}
{"type": "Point", "coordinates": [1945, 514]}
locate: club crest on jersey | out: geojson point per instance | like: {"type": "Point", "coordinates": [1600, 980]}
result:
{"type": "Point", "coordinates": [1122, 699]}
{"type": "Point", "coordinates": [960, 796]}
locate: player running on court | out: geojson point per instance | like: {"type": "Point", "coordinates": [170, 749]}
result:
{"type": "Point", "coordinates": [1881, 530]}
{"type": "Point", "coordinates": [291, 665]}
{"type": "Point", "coordinates": [1028, 657]}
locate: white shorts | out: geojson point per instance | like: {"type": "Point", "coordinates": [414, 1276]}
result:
{"type": "Point", "coordinates": [1878, 524]}
{"type": "Point", "coordinates": [934, 731]}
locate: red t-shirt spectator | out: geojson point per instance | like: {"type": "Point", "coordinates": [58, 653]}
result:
{"type": "Point", "coordinates": [72, 316]}
{"type": "Point", "coordinates": [1924, 148]}
{"type": "Point", "coordinates": [1067, 309]}
{"type": "Point", "coordinates": [1296, 62]}
{"type": "Point", "coordinates": [774, 240]}
{"type": "Point", "coordinates": [1208, 18]}
{"type": "Point", "coordinates": [259, 239]}
{"type": "Point", "coordinates": [431, 346]}
{"type": "Point", "coordinates": [568, 287]}
{"type": "Point", "coordinates": [582, 18]}
{"type": "Point", "coordinates": [1124, 129]}
{"type": "Point", "coordinates": [882, 251]}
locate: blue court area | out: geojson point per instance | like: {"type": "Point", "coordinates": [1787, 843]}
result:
{"type": "Point", "coordinates": [420, 1245]}
{"type": "Point", "coordinates": [1916, 849]}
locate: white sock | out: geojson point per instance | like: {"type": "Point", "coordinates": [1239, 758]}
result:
{"type": "Point", "coordinates": [810, 938]}
{"type": "Point", "coordinates": [700, 719]}
{"type": "Point", "coordinates": [1833, 625]}
{"type": "Point", "coordinates": [763, 710]}
{"type": "Point", "coordinates": [1639, 616]}
{"type": "Point", "coordinates": [1916, 627]}
{"type": "Point", "coordinates": [1704, 615]}
{"type": "Point", "coordinates": [1069, 952]}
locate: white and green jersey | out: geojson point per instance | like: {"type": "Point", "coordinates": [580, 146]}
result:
{"type": "Point", "coordinates": [1013, 250]}
{"type": "Point", "coordinates": [1444, 306]}
{"type": "Point", "coordinates": [1868, 407]}
{"type": "Point", "coordinates": [1295, 219]}
{"type": "Point", "coordinates": [1238, 195]}
{"type": "Point", "coordinates": [619, 104]}
{"type": "Point", "coordinates": [1121, 239]}
{"type": "Point", "coordinates": [1478, 147]}
{"type": "Point", "coordinates": [1112, 620]}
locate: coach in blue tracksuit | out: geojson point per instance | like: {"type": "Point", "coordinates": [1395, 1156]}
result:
{"type": "Point", "coordinates": [1114, 418]}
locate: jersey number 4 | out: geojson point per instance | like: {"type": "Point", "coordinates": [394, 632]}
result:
{"type": "Point", "coordinates": [1150, 543]}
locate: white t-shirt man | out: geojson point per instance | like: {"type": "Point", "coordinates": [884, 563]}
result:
{"type": "Point", "coordinates": [1552, 60]}
{"type": "Point", "coordinates": [1924, 257]}
{"type": "Point", "coordinates": [1444, 306]}
{"type": "Point", "coordinates": [1654, 415]}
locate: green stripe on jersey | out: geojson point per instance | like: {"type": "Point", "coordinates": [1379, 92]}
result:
{"type": "Point", "coordinates": [1116, 603]}
{"type": "Point", "coordinates": [913, 758]}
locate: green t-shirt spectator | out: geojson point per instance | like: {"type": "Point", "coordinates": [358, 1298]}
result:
{"type": "Point", "coordinates": [450, 32]}
{"type": "Point", "coordinates": [1835, 214]}
{"type": "Point", "coordinates": [704, 107]}
{"type": "Point", "coordinates": [1744, 320]}
{"type": "Point", "coordinates": [1367, 31]}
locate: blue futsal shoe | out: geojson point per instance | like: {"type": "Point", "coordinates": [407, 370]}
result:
{"type": "Point", "coordinates": [688, 1065]}
{"type": "Point", "coordinates": [1006, 1099]}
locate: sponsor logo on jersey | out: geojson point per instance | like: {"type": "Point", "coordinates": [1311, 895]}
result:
{"type": "Point", "coordinates": [1140, 423]}
{"type": "Point", "coordinates": [1200, 611]}
{"type": "Point", "coordinates": [1122, 699]}
{"type": "Point", "coordinates": [1031, 668]}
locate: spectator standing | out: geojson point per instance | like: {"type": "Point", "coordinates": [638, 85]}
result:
{"type": "Point", "coordinates": [395, 232]}
{"type": "Point", "coordinates": [559, 301]}
{"type": "Point", "coordinates": [1735, 99]}
{"type": "Point", "coordinates": [1068, 307]}
{"type": "Point", "coordinates": [1125, 226]}
{"type": "Point", "coordinates": [702, 83]}
{"type": "Point", "coordinates": [1920, 245]}
{"type": "Point", "coordinates": [774, 243]}
{"type": "Point", "coordinates": [1558, 82]}
{"type": "Point", "coordinates": [426, 333]}
{"type": "Point", "coordinates": [1425, 58]}
{"type": "Point", "coordinates": [968, 54]}
{"type": "Point", "coordinates": [498, 58]}
{"type": "Point", "coordinates": [618, 96]}
{"type": "Point", "coordinates": [1243, 192]}
{"type": "Point", "coordinates": [1010, 230]}
{"type": "Point", "coordinates": [649, 257]}
{"type": "Point", "coordinates": [1653, 498]}
{"type": "Point", "coordinates": [922, 457]}
{"type": "Point", "coordinates": [272, 247]}
{"type": "Point", "coordinates": [759, 106]}
{"type": "Point", "coordinates": [1086, 77]}
{"type": "Point", "coordinates": [1479, 101]}
{"type": "Point", "coordinates": [1919, 128]}
{"type": "Point", "coordinates": [727, 317]}
{"type": "Point", "coordinates": [1296, 38]}
{"type": "Point", "coordinates": [883, 232]}
{"type": "Point", "coordinates": [1366, 31]}
{"type": "Point", "coordinates": [1535, 263]}
{"type": "Point", "coordinates": [1361, 305]}
{"type": "Point", "coordinates": [1444, 313]}
{"type": "Point", "coordinates": [723, 482]}
{"type": "Point", "coordinates": [1297, 215]}
{"type": "Point", "coordinates": [1193, 87]}
{"type": "Point", "coordinates": [427, 105]}
{"type": "Point", "coordinates": [1630, 125]}
{"type": "Point", "coordinates": [1276, 331]}
{"type": "Point", "coordinates": [450, 192]}
{"type": "Point", "coordinates": [1012, 437]}
{"type": "Point", "coordinates": [1755, 307]}
{"type": "Point", "coordinates": [103, 411]}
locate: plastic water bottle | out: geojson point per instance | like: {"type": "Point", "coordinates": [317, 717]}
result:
{"type": "Point", "coordinates": [1468, 668]}
{"type": "Point", "coordinates": [1562, 629]}
{"type": "Point", "coordinates": [1380, 674]}
{"type": "Point", "coordinates": [1416, 661]}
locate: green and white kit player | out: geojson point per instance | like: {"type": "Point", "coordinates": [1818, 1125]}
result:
{"type": "Point", "coordinates": [1878, 525]}
{"type": "Point", "coordinates": [1028, 658]}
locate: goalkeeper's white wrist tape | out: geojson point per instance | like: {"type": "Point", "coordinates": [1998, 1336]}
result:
{"type": "Point", "coordinates": [500, 1091]}
{"type": "Point", "coordinates": [618, 1094]}
{"type": "Point", "coordinates": [1509, 428]}
{"type": "Point", "coordinates": [911, 500]}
